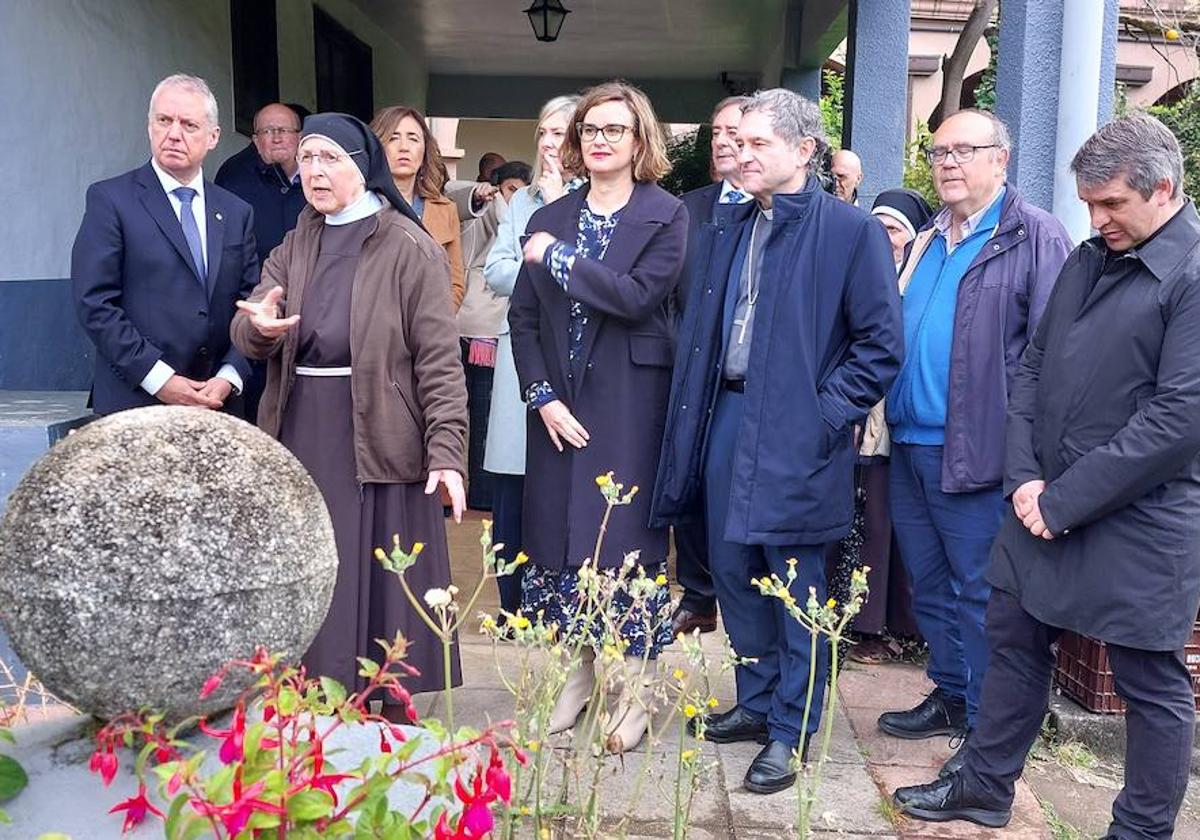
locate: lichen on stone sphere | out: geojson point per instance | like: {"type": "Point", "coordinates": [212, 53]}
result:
{"type": "Point", "coordinates": [146, 550]}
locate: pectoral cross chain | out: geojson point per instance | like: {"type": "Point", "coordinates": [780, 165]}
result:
{"type": "Point", "coordinates": [744, 322]}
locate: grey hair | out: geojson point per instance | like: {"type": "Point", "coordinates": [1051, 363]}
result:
{"type": "Point", "coordinates": [194, 84]}
{"type": "Point", "coordinates": [1139, 147]}
{"type": "Point", "coordinates": [728, 102]}
{"type": "Point", "coordinates": [793, 118]}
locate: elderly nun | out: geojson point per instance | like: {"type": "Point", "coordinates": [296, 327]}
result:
{"type": "Point", "coordinates": [365, 387]}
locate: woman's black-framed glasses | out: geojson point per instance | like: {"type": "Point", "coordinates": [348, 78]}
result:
{"type": "Point", "coordinates": [613, 132]}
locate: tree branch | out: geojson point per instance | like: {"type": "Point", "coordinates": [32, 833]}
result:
{"type": "Point", "coordinates": [954, 68]}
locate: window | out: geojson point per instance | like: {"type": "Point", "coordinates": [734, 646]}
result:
{"type": "Point", "coordinates": [255, 59]}
{"type": "Point", "coordinates": [345, 81]}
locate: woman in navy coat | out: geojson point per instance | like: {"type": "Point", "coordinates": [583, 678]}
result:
{"type": "Point", "coordinates": [593, 349]}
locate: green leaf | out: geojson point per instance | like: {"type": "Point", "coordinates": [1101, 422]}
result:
{"type": "Point", "coordinates": [288, 701]}
{"type": "Point", "coordinates": [12, 778]}
{"type": "Point", "coordinates": [261, 820]}
{"type": "Point", "coordinates": [6, 735]}
{"type": "Point", "coordinates": [335, 692]}
{"type": "Point", "coordinates": [368, 667]}
{"type": "Point", "coordinates": [219, 786]}
{"type": "Point", "coordinates": [341, 828]}
{"type": "Point", "coordinates": [196, 827]}
{"type": "Point", "coordinates": [310, 805]}
{"type": "Point", "coordinates": [53, 835]}
{"type": "Point", "coordinates": [174, 813]}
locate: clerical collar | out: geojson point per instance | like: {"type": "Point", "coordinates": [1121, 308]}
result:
{"type": "Point", "coordinates": [368, 204]}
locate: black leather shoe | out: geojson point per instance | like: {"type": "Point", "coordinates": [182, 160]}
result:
{"type": "Point", "coordinates": [737, 724]}
{"type": "Point", "coordinates": [944, 800]}
{"type": "Point", "coordinates": [685, 621]}
{"type": "Point", "coordinates": [937, 714]}
{"type": "Point", "coordinates": [955, 762]}
{"type": "Point", "coordinates": [771, 771]}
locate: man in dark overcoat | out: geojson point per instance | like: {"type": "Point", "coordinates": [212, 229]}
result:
{"type": "Point", "coordinates": [792, 334]}
{"type": "Point", "coordinates": [1103, 472]}
{"type": "Point", "coordinates": [698, 605]}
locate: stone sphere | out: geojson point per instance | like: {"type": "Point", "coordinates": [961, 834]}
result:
{"type": "Point", "coordinates": [148, 549]}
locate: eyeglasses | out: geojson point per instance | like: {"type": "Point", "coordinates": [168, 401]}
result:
{"type": "Point", "coordinates": [962, 153]}
{"type": "Point", "coordinates": [275, 131]}
{"type": "Point", "coordinates": [325, 157]}
{"type": "Point", "coordinates": [613, 132]}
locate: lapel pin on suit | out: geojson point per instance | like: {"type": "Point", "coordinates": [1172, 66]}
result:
{"type": "Point", "coordinates": [219, 217]}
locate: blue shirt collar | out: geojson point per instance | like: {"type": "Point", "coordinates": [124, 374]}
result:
{"type": "Point", "coordinates": [973, 222]}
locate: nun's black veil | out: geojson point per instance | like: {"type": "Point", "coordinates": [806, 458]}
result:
{"type": "Point", "coordinates": [365, 150]}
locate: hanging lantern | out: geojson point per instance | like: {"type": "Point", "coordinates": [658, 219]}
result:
{"type": "Point", "coordinates": [546, 17]}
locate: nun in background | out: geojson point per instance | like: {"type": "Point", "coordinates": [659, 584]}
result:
{"type": "Point", "coordinates": [888, 609]}
{"type": "Point", "coordinates": [365, 387]}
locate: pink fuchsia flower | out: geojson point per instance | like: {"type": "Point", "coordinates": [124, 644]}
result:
{"type": "Point", "coordinates": [105, 763]}
{"type": "Point", "coordinates": [136, 808]}
{"type": "Point", "coordinates": [497, 778]}
{"type": "Point", "coordinates": [212, 684]}
{"type": "Point", "coordinates": [232, 739]}
{"type": "Point", "coordinates": [476, 818]}
{"type": "Point", "coordinates": [236, 814]}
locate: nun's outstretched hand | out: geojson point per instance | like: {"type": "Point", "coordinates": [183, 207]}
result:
{"type": "Point", "coordinates": [264, 314]}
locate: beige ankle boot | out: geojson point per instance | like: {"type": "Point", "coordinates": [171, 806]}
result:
{"type": "Point", "coordinates": [628, 724]}
{"type": "Point", "coordinates": [578, 690]}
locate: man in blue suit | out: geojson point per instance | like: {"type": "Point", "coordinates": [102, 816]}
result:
{"type": "Point", "coordinates": [159, 261]}
{"type": "Point", "coordinates": [698, 606]}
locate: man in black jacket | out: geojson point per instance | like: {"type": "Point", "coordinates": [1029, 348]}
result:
{"type": "Point", "coordinates": [1103, 472]}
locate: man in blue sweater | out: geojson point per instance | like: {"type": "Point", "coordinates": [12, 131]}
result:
{"type": "Point", "coordinates": [974, 286]}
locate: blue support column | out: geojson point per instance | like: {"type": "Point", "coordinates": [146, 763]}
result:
{"type": "Point", "coordinates": [804, 81]}
{"type": "Point", "coordinates": [1027, 73]}
{"type": "Point", "coordinates": [1108, 62]}
{"type": "Point", "coordinates": [877, 92]}
{"type": "Point", "coordinates": [1079, 74]}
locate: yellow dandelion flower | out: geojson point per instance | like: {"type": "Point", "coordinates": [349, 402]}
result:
{"type": "Point", "coordinates": [831, 603]}
{"type": "Point", "coordinates": [661, 580]}
{"type": "Point", "coordinates": [379, 554]}
{"type": "Point", "coordinates": [678, 674]}
{"type": "Point", "coordinates": [534, 745]}
{"type": "Point", "coordinates": [520, 622]}
{"type": "Point", "coordinates": [521, 558]}
{"type": "Point", "coordinates": [688, 755]}
{"type": "Point", "coordinates": [712, 702]}
{"type": "Point", "coordinates": [690, 711]}
{"type": "Point", "coordinates": [604, 480]}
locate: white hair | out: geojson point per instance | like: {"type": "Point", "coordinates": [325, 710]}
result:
{"type": "Point", "coordinates": [193, 84]}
